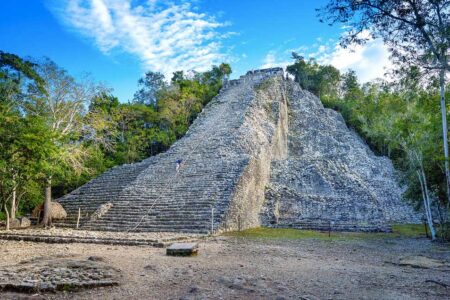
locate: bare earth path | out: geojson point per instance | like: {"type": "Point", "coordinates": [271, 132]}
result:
{"type": "Point", "coordinates": [238, 268]}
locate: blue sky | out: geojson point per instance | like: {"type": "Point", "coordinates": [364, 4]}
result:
{"type": "Point", "coordinates": [118, 40]}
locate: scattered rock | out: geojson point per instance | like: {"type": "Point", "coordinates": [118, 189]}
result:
{"type": "Point", "coordinates": [14, 223]}
{"type": "Point", "coordinates": [96, 258]}
{"type": "Point", "coordinates": [150, 268]}
{"type": "Point", "coordinates": [423, 262]}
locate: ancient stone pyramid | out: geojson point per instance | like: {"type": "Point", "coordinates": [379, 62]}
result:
{"type": "Point", "coordinates": [262, 152]}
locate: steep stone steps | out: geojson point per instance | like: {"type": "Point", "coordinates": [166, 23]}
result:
{"type": "Point", "coordinates": [216, 151]}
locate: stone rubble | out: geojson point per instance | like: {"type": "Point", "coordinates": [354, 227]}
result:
{"type": "Point", "coordinates": [22, 222]}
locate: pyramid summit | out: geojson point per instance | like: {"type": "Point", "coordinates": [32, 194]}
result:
{"type": "Point", "coordinates": [263, 152]}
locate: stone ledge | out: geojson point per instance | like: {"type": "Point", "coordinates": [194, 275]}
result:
{"type": "Point", "coordinates": [61, 239]}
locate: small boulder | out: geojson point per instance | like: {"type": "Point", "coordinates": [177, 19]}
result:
{"type": "Point", "coordinates": [24, 222]}
{"type": "Point", "coordinates": [14, 223]}
{"type": "Point", "coordinates": [96, 258]}
{"type": "Point", "coordinates": [19, 223]}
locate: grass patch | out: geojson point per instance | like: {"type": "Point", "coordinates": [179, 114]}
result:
{"type": "Point", "coordinates": [277, 233]}
{"type": "Point", "coordinates": [410, 230]}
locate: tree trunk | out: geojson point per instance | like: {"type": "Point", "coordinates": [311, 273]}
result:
{"type": "Point", "coordinates": [7, 217]}
{"type": "Point", "coordinates": [47, 218]}
{"type": "Point", "coordinates": [13, 199]}
{"type": "Point", "coordinates": [444, 131]}
{"type": "Point", "coordinates": [426, 202]}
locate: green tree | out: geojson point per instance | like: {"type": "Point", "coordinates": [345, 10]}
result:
{"type": "Point", "coordinates": [351, 89]}
{"type": "Point", "coordinates": [63, 108]}
{"type": "Point", "coordinates": [149, 85]}
{"type": "Point", "coordinates": [323, 81]}
{"type": "Point", "coordinates": [19, 159]}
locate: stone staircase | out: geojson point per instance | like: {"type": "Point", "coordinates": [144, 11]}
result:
{"type": "Point", "coordinates": [217, 151]}
{"type": "Point", "coordinates": [99, 191]}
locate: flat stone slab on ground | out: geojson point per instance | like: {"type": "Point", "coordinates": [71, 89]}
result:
{"type": "Point", "coordinates": [182, 249]}
{"type": "Point", "coordinates": [50, 274]}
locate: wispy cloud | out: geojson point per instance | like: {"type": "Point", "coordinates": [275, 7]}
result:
{"type": "Point", "coordinates": [273, 60]}
{"type": "Point", "coordinates": [165, 36]}
{"type": "Point", "coordinates": [369, 61]}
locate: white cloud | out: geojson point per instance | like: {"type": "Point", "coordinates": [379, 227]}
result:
{"type": "Point", "coordinates": [165, 37]}
{"type": "Point", "coordinates": [271, 60]}
{"type": "Point", "coordinates": [370, 61]}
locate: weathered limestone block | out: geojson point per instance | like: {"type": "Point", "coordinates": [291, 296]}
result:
{"type": "Point", "coordinates": [24, 222]}
{"type": "Point", "coordinates": [14, 223]}
{"type": "Point", "coordinates": [182, 249]}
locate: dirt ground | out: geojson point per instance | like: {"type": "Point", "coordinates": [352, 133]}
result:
{"type": "Point", "coordinates": [244, 268]}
